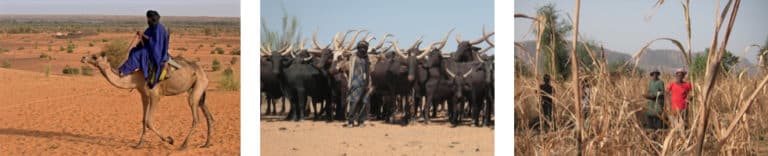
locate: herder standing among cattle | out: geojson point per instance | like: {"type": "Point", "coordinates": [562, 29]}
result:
{"type": "Point", "coordinates": [655, 96]}
{"type": "Point", "coordinates": [358, 96]}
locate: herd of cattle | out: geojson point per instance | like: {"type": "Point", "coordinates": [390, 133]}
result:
{"type": "Point", "coordinates": [400, 79]}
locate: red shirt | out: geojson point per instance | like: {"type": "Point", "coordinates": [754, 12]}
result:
{"type": "Point", "coordinates": [679, 94]}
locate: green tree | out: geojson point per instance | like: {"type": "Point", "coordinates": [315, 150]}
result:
{"type": "Point", "coordinates": [553, 42]}
{"type": "Point", "coordinates": [699, 63]}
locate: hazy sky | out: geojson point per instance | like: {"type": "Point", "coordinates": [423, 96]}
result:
{"type": "Point", "coordinates": [620, 25]}
{"type": "Point", "coordinates": [406, 19]}
{"type": "Point", "coordinates": [225, 8]}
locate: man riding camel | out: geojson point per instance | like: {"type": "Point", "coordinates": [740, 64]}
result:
{"type": "Point", "coordinates": [151, 53]}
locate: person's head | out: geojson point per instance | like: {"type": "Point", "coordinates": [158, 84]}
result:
{"type": "Point", "coordinates": [655, 74]}
{"type": "Point", "coordinates": [680, 74]}
{"type": "Point", "coordinates": [546, 78]}
{"type": "Point", "coordinates": [362, 48]}
{"type": "Point", "coordinates": [153, 18]}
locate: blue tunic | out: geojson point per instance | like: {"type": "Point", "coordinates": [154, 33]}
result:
{"type": "Point", "coordinates": [149, 57]}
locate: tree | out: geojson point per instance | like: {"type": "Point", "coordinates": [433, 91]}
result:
{"type": "Point", "coordinates": [553, 42]}
{"type": "Point", "coordinates": [699, 63]}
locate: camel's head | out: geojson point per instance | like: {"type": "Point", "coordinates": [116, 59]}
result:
{"type": "Point", "coordinates": [95, 60]}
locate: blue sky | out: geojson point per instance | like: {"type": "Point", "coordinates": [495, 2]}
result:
{"type": "Point", "coordinates": [620, 25]}
{"type": "Point", "coordinates": [406, 19]}
{"type": "Point", "coordinates": [221, 8]}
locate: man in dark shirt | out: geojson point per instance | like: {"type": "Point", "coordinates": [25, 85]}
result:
{"type": "Point", "coordinates": [546, 100]}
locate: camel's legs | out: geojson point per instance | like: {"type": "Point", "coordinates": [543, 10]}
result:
{"type": "Point", "coordinates": [145, 109]}
{"type": "Point", "coordinates": [208, 119]}
{"type": "Point", "coordinates": [154, 100]}
{"type": "Point", "coordinates": [194, 99]}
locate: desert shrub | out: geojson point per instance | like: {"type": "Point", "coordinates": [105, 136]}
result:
{"type": "Point", "coordinates": [216, 65]}
{"type": "Point", "coordinates": [44, 55]}
{"type": "Point", "coordinates": [90, 44]}
{"type": "Point", "coordinates": [6, 64]}
{"type": "Point", "coordinates": [61, 48]}
{"type": "Point", "coordinates": [235, 51]}
{"type": "Point", "coordinates": [228, 82]}
{"type": "Point", "coordinates": [116, 52]}
{"type": "Point", "coordinates": [20, 48]}
{"type": "Point", "coordinates": [70, 71]}
{"type": "Point", "coordinates": [233, 60]}
{"type": "Point", "coordinates": [86, 70]}
{"type": "Point", "coordinates": [70, 47]}
{"type": "Point", "coordinates": [219, 50]}
{"type": "Point", "coordinates": [181, 49]}
{"type": "Point", "coordinates": [229, 46]}
{"type": "Point", "coordinates": [104, 40]}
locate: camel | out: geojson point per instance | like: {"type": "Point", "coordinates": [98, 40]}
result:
{"type": "Point", "coordinates": [189, 78]}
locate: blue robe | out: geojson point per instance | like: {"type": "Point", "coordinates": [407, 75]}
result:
{"type": "Point", "coordinates": [149, 57]}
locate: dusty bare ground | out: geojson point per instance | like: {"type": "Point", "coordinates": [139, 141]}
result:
{"type": "Point", "coordinates": [84, 115]}
{"type": "Point", "coordinates": [78, 115]}
{"type": "Point", "coordinates": [309, 137]}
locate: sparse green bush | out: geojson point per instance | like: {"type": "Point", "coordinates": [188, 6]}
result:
{"type": "Point", "coordinates": [70, 71]}
{"type": "Point", "coordinates": [233, 61]}
{"type": "Point", "coordinates": [6, 64]}
{"type": "Point", "coordinates": [70, 47]}
{"type": "Point", "coordinates": [115, 51]}
{"type": "Point", "coordinates": [44, 55]}
{"type": "Point", "coordinates": [216, 65]}
{"type": "Point", "coordinates": [86, 70]}
{"type": "Point", "coordinates": [235, 51]}
{"type": "Point", "coordinates": [219, 50]}
{"type": "Point", "coordinates": [90, 44]}
{"type": "Point", "coordinates": [104, 40]}
{"type": "Point", "coordinates": [228, 82]}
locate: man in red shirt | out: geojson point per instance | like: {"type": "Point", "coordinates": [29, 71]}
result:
{"type": "Point", "coordinates": [678, 91]}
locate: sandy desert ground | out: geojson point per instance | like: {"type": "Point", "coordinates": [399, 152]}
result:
{"type": "Point", "coordinates": [85, 115]}
{"type": "Point", "coordinates": [309, 137]}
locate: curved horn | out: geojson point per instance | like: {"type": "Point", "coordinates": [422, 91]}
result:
{"type": "Point", "coordinates": [381, 43]}
{"type": "Point", "coordinates": [446, 55]}
{"type": "Point", "coordinates": [309, 57]}
{"type": "Point", "coordinates": [480, 40]}
{"type": "Point", "coordinates": [314, 39]}
{"type": "Point", "coordinates": [468, 72]}
{"type": "Point", "coordinates": [301, 44]}
{"type": "Point", "coordinates": [416, 43]}
{"type": "Point", "coordinates": [354, 39]}
{"type": "Point", "coordinates": [484, 50]}
{"type": "Point", "coordinates": [450, 73]}
{"type": "Point", "coordinates": [344, 38]}
{"type": "Point", "coordinates": [264, 51]}
{"type": "Point", "coordinates": [477, 55]}
{"type": "Point", "coordinates": [314, 50]}
{"type": "Point", "coordinates": [488, 40]}
{"type": "Point", "coordinates": [458, 37]}
{"type": "Point", "coordinates": [397, 50]}
{"type": "Point", "coordinates": [429, 49]}
{"type": "Point", "coordinates": [445, 39]}
{"type": "Point", "coordinates": [335, 41]}
{"type": "Point", "coordinates": [287, 50]}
